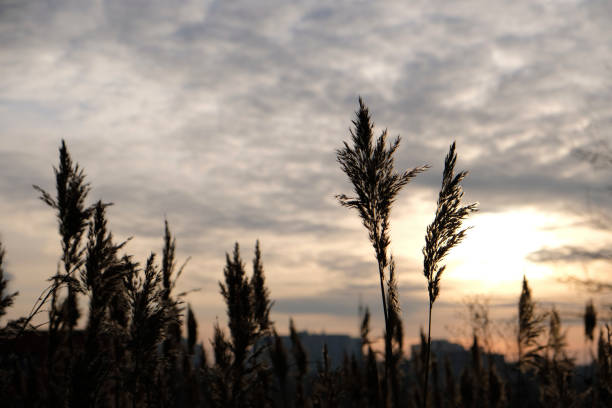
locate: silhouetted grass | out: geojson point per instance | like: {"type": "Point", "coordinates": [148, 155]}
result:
{"type": "Point", "coordinates": [6, 299]}
{"type": "Point", "coordinates": [369, 166]}
{"type": "Point", "coordinates": [443, 234]}
{"type": "Point", "coordinates": [530, 327]}
{"type": "Point", "coordinates": [131, 351]}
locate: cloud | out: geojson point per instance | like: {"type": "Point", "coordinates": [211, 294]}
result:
{"type": "Point", "coordinates": [570, 254]}
{"type": "Point", "coordinates": [345, 301]}
{"type": "Point", "coordinates": [224, 117]}
{"type": "Point", "coordinates": [250, 99]}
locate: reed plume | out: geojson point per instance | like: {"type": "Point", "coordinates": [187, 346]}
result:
{"type": "Point", "coordinates": [237, 293]}
{"type": "Point", "coordinates": [172, 305]}
{"type": "Point", "coordinates": [73, 216]}
{"type": "Point", "coordinates": [369, 166]}
{"type": "Point", "coordinates": [103, 271]}
{"type": "Point", "coordinates": [6, 299]}
{"type": "Point", "coordinates": [556, 368]}
{"type": "Point", "coordinates": [101, 278]}
{"type": "Point", "coordinates": [192, 330]}
{"type": "Point", "coordinates": [443, 234]}
{"type": "Point", "coordinates": [530, 327]}
{"type": "Point", "coordinates": [248, 307]}
{"type": "Point", "coordinates": [260, 294]}
{"type": "Point", "coordinates": [556, 338]}
{"type": "Point", "coordinates": [148, 321]}
{"type": "Point", "coordinates": [590, 320]}
{"type": "Point", "coordinates": [364, 330]}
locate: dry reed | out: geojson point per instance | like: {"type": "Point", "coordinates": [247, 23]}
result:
{"type": "Point", "coordinates": [442, 235]}
{"type": "Point", "coordinates": [369, 166]}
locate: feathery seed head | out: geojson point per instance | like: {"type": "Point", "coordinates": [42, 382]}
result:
{"type": "Point", "coordinates": [445, 231]}
{"type": "Point", "coordinates": [6, 300]}
{"type": "Point", "coordinates": [590, 320]}
{"type": "Point", "coordinates": [369, 166]}
{"type": "Point", "coordinates": [192, 330]}
{"type": "Point", "coordinates": [530, 325]}
{"type": "Point", "coordinates": [261, 294]}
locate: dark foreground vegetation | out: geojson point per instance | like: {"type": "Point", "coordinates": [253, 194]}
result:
{"type": "Point", "coordinates": [132, 352]}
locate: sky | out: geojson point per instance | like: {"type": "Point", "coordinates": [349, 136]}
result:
{"type": "Point", "coordinates": [224, 117]}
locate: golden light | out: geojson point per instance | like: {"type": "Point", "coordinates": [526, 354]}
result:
{"type": "Point", "coordinates": [496, 249]}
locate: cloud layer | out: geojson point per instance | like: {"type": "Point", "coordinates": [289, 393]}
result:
{"type": "Point", "coordinates": [225, 116]}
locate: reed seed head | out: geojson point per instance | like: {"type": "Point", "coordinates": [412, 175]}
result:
{"type": "Point", "coordinates": [590, 320]}
{"type": "Point", "coordinates": [369, 165]}
{"type": "Point", "coordinates": [445, 231]}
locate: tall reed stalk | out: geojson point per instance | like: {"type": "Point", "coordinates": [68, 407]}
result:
{"type": "Point", "coordinates": [239, 373]}
{"type": "Point", "coordinates": [369, 166]}
{"type": "Point", "coordinates": [530, 326]}
{"type": "Point", "coordinates": [443, 234]}
{"type": "Point", "coordinates": [6, 299]}
{"type": "Point", "coordinates": [73, 219]}
{"type": "Point", "coordinates": [101, 278]}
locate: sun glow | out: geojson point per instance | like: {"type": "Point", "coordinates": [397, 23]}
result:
{"type": "Point", "coordinates": [495, 250]}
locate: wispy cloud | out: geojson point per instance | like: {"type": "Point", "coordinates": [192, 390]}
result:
{"type": "Point", "coordinates": [570, 254]}
{"type": "Point", "coordinates": [224, 116]}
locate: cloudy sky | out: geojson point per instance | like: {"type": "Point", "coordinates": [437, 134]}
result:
{"type": "Point", "coordinates": [224, 117]}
